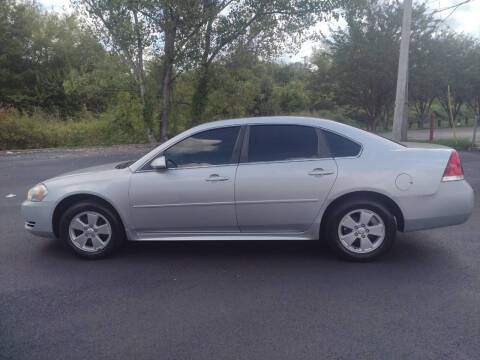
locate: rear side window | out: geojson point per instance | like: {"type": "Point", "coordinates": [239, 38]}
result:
{"type": "Point", "coordinates": [282, 142]}
{"type": "Point", "coordinates": [211, 147]}
{"type": "Point", "coordinates": [341, 146]}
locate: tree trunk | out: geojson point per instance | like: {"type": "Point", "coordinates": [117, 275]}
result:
{"type": "Point", "coordinates": [140, 77]}
{"type": "Point", "coordinates": [421, 120]}
{"type": "Point", "coordinates": [385, 123]}
{"type": "Point", "coordinates": [375, 122]}
{"type": "Point", "coordinates": [456, 106]}
{"type": "Point", "coordinates": [141, 85]}
{"type": "Point", "coordinates": [200, 97]}
{"type": "Point", "coordinates": [169, 47]}
{"type": "Point", "coordinates": [456, 110]}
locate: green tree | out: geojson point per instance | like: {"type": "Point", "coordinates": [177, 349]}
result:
{"type": "Point", "coordinates": [320, 82]}
{"type": "Point", "coordinates": [19, 65]}
{"type": "Point", "coordinates": [365, 56]}
{"type": "Point", "coordinates": [264, 27]}
{"type": "Point", "coordinates": [423, 78]}
{"type": "Point", "coordinates": [46, 59]}
{"type": "Point", "coordinates": [474, 100]}
{"type": "Point", "coordinates": [456, 67]}
{"type": "Point", "coordinates": [122, 26]}
{"type": "Point", "coordinates": [423, 65]}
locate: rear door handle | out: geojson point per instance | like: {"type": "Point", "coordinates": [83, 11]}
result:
{"type": "Point", "coordinates": [320, 172]}
{"type": "Point", "coordinates": [216, 177]}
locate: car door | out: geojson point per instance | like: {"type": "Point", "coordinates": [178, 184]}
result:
{"type": "Point", "coordinates": [196, 191]}
{"type": "Point", "coordinates": [284, 176]}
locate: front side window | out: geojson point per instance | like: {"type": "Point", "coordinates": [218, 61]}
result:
{"type": "Point", "coordinates": [282, 142]}
{"type": "Point", "coordinates": [211, 147]}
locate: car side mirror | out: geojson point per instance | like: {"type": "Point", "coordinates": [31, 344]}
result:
{"type": "Point", "coordinates": [159, 163]}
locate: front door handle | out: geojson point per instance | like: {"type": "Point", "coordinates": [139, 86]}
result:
{"type": "Point", "coordinates": [216, 177]}
{"type": "Point", "coordinates": [320, 172]}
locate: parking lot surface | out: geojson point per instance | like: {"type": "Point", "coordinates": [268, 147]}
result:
{"type": "Point", "coordinates": [232, 300]}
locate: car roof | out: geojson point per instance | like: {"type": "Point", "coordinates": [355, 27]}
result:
{"type": "Point", "coordinates": [351, 132]}
{"type": "Point", "coordinates": [287, 120]}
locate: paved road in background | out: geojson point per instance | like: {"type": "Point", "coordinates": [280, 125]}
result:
{"type": "Point", "coordinates": [226, 300]}
{"type": "Point", "coordinates": [443, 133]}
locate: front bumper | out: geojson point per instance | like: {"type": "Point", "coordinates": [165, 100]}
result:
{"type": "Point", "coordinates": [452, 204]}
{"type": "Point", "coordinates": [38, 217]}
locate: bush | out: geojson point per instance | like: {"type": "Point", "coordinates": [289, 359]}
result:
{"type": "Point", "coordinates": [121, 124]}
{"type": "Point", "coordinates": [339, 115]}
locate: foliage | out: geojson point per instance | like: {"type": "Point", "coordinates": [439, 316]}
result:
{"type": "Point", "coordinates": [121, 124]}
{"type": "Point", "coordinates": [364, 56]}
{"type": "Point", "coordinates": [48, 61]}
{"type": "Point", "coordinates": [458, 69]}
{"type": "Point", "coordinates": [68, 82]}
{"type": "Point", "coordinates": [195, 33]}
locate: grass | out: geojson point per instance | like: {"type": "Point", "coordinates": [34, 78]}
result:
{"type": "Point", "coordinates": [122, 124]}
{"type": "Point", "coordinates": [459, 144]}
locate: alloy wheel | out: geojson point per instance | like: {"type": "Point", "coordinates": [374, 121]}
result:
{"type": "Point", "coordinates": [90, 231]}
{"type": "Point", "coordinates": [361, 231]}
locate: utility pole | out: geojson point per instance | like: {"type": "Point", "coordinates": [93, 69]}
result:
{"type": "Point", "coordinates": [400, 116]}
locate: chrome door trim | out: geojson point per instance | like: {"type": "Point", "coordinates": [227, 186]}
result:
{"type": "Point", "coordinates": [276, 201]}
{"type": "Point", "coordinates": [185, 168]}
{"type": "Point", "coordinates": [284, 161]}
{"type": "Point", "coordinates": [184, 204]}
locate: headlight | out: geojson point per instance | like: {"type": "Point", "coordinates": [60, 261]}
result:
{"type": "Point", "coordinates": [37, 193]}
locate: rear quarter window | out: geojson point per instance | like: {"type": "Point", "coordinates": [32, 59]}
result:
{"type": "Point", "coordinates": [341, 146]}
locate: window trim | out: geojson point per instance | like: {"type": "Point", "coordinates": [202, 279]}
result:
{"type": "Point", "coordinates": [320, 138]}
{"type": "Point", "coordinates": [233, 160]}
{"type": "Point", "coordinates": [243, 143]}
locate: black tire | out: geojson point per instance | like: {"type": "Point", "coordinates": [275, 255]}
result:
{"type": "Point", "coordinates": [337, 214]}
{"type": "Point", "coordinates": [116, 238]}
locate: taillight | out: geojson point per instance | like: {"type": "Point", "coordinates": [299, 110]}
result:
{"type": "Point", "coordinates": [454, 170]}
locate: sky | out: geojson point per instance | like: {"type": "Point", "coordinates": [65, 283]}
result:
{"type": "Point", "coordinates": [466, 19]}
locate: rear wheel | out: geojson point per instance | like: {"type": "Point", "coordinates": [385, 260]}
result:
{"type": "Point", "coordinates": [92, 230]}
{"type": "Point", "coordinates": [360, 230]}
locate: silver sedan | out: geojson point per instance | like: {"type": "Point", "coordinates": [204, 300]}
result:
{"type": "Point", "coordinates": [266, 178]}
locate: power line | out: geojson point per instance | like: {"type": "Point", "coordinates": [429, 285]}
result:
{"type": "Point", "coordinates": [454, 7]}
{"type": "Point", "coordinates": [446, 17]}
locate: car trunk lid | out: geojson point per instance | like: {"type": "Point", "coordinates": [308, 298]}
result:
{"type": "Point", "coordinates": [420, 145]}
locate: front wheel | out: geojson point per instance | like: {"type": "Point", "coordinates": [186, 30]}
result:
{"type": "Point", "coordinates": [361, 230]}
{"type": "Point", "coordinates": [92, 230]}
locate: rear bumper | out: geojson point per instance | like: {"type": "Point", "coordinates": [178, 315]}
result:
{"type": "Point", "coordinates": [452, 204]}
{"type": "Point", "coordinates": [38, 217]}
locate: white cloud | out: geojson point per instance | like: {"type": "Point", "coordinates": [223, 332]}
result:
{"type": "Point", "coordinates": [464, 19]}
{"type": "Point", "coordinates": [57, 5]}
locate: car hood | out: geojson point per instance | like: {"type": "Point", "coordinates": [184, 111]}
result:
{"type": "Point", "coordinates": [89, 171]}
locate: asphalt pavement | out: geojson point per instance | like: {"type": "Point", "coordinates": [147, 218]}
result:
{"type": "Point", "coordinates": [232, 300]}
